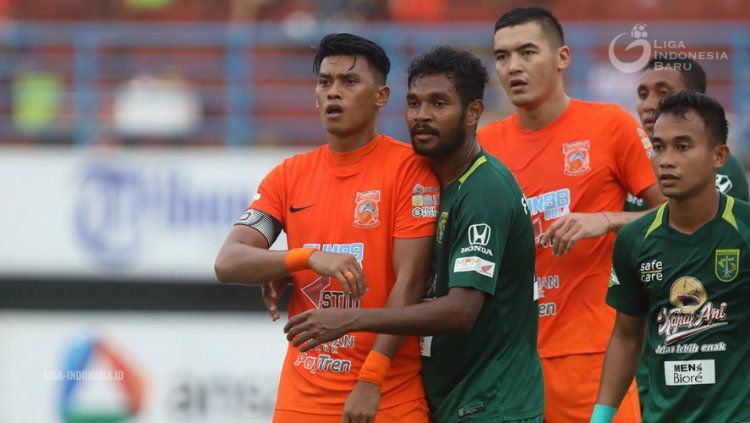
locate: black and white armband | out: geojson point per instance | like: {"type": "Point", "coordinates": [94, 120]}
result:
{"type": "Point", "coordinates": [263, 222]}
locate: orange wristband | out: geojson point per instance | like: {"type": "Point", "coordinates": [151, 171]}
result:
{"type": "Point", "coordinates": [296, 258]}
{"type": "Point", "coordinates": [375, 368]}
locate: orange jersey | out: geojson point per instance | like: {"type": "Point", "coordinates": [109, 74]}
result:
{"type": "Point", "coordinates": [354, 203]}
{"type": "Point", "coordinates": [586, 161]}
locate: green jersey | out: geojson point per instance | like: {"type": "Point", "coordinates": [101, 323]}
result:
{"type": "Point", "coordinates": [485, 240]}
{"type": "Point", "coordinates": [692, 289]}
{"type": "Point", "coordinates": [730, 180]}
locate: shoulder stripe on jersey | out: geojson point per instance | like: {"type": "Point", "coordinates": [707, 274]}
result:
{"type": "Point", "coordinates": [657, 220]}
{"type": "Point", "coordinates": [478, 162]}
{"type": "Point", "coordinates": [728, 215]}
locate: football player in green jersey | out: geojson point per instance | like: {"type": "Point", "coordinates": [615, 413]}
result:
{"type": "Point", "coordinates": [479, 354]}
{"type": "Point", "coordinates": [663, 77]}
{"type": "Point", "coordinates": [678, 275]}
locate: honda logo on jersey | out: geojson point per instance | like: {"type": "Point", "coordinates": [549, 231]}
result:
{"type": "Point", "coordinates": [479, 234]}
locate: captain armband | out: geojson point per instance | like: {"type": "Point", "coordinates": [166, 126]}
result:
{"type": "Point", "coordinates": [262, 222]}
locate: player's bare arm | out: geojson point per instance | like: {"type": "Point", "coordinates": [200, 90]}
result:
{"type": "Point", "coordinates": [245, 258]}
{"type": "Point", "coordinates": [563, 233]}
{"type": "Point", "coordinates": [456, 311]}
{"type": "Point", "coordinates": [412, 264]}
{"type": "Point", "coordinates": [621, 359]}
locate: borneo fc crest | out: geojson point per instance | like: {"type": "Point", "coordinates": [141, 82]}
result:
{"type": "Point", "coordinates": [366, 209]}
{"type": "Point", "coordinates": [576, 156]}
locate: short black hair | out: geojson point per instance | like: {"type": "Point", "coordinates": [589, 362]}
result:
{"type": "Point", "coordinates": [521, 15]}
{"type": "Point", "coordinates": [692, 74]}
{"type": "Point", "coordinates": [706, 107]}
{"type": "Point", "coordinates": [345, 44]}
{"type": "Point", "coordinates": [467, 73]}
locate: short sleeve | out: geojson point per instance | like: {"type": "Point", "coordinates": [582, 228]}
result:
{"type": "Point", "coordinates": [271, 194]}
{"type": "Point", "coordinates": [626, 293]}
{"type": "Point", "coordinates": [480, 232]}
{"type": "Point", "coordinates": [416, 197]}
{"type": "Point", "coordinates": [632, 147]}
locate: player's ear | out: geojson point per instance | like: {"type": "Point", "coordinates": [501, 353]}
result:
{"type": "Point", "coordinates": [721, 154]}
{"type": "Point", "coordinates": [563, 57]}
{"type": "Point", "coordinates": [474, 112]}
{"type": "Point", "coordinates": [382, 95]}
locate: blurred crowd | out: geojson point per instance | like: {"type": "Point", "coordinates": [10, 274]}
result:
{"type": "Point", "coordinates": [157, 94]}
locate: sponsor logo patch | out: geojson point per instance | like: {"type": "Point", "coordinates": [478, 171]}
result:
{"type": "Point", "coordinates": [692, 312]}
{"type": "Point", "coordinates": [551, 204]}
{"type": "Point", "coordinates": [690, 372]}
{"type": "Point", "coordinates": [479, 234]}
{"type": "Point", "coordinates": [723, 183]}
{"type": "Point", "coordinates": [425, 346]}
{"type": "Point", "coordinates": [474, 264]}
{"type": "Point", "coordinates": [426, 211]}
{"type": "Point", "coordinates": [645, 141]}
{"type": "Point", "coordinates": [613, 279]}
{"type": "Point", "coordinates": [651, 271]}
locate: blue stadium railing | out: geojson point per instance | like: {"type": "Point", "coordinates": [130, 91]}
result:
{"type": "Point", "coordinates": [241, 58]}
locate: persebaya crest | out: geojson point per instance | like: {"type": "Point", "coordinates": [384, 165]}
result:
{"type": "Point", "coordinates": [727, 264]}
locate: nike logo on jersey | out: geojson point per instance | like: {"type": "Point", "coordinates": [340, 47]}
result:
{"type": "Point", "coordinates": [293, 209]}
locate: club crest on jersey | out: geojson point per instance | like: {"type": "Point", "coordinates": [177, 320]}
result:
{"type": "Point", "coordinates": [727, 264]}
{"type": "Point", "coordinates": [366, 209]}
{"type": "Point", "coordinates": [576, 155]}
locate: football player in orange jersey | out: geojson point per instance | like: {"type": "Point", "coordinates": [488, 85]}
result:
{"type": "Point", "coordinates": [576, 161]}
{"type": "Point", "coordinates": [359, 216]}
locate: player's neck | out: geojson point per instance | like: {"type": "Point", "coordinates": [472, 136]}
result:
{"type": "Point", "coordinates": [344, 143]}
{"type": "Point", "coordinates": [451, 167]}
{"type": "Point", "coordinates": [689, 214]}
{"type": "Point", "coordinates": [537, 117]}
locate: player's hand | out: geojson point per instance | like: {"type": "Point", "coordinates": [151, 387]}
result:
{"type": "Point", "coordinates": [343, 267]}
{"type": "Point", "coordinates": [314, 327]}
{"type": "Point", "coordinates": [362, 404]}
{"type": "Point", "coordinates": [271, 293]}
{"type": "Point", "coordinates": [563, 233]}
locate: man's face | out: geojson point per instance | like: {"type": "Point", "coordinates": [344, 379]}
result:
{"type": "Point", "coordinates": [527, 65]}
{"type": "Point", "coordinates": [347, 94]}
{"type": "Point", "coordinates": [435, 116]}
{"type": "Point", "coordinates": [653, 86]}
{"type": "Point", "coordinates": [683, 158]}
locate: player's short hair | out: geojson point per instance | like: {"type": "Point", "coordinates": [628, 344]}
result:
{"type": "Point", "coordinates": [345, 44]}
{"type": "Point", "coordinates": [706, 107]}
{"type": "Point", "coordinates": [467, 73]}
{"type": "Point", "coordinates": [692, 74]}
{"type": "Point", "coordinates": [521, 15]}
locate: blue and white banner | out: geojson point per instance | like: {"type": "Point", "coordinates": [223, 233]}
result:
{"type": "Point", "coordinates": [123, 214]}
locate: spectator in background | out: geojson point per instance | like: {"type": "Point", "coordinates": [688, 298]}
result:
{"type": "Point", "coordinates": [160, 107]}
{"type": "Point", "coordinates": [417, 10]}
{"type": "Point", "coordinates": [37, 96]}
